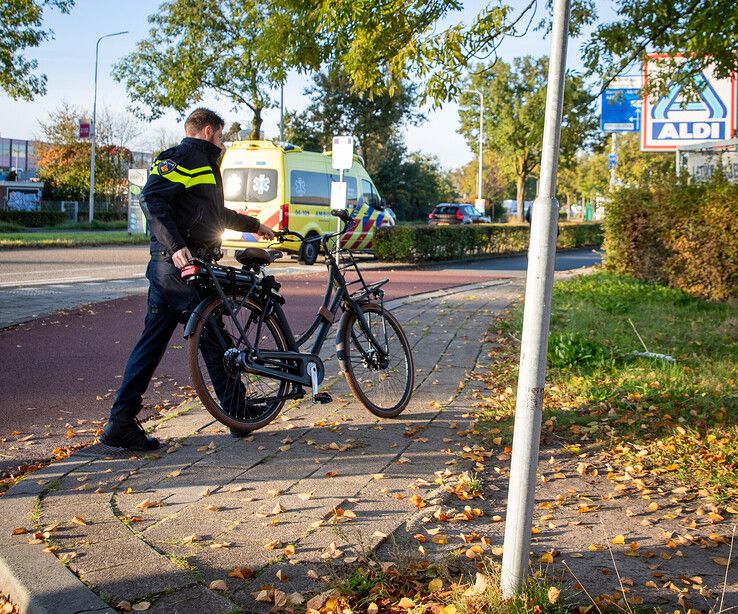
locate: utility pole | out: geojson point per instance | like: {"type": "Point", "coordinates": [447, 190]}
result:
{"type": "Point", "coordinates": [281, 112]}
{"type": "Point", "coordinates": [536, 320]}
{"type": "Point", "coordinates": [93, 129]}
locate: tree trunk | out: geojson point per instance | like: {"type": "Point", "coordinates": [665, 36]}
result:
{"type": "Point", "coordinates": [521, 198]}
{"type": "Point", "coordinates": [256, 125]}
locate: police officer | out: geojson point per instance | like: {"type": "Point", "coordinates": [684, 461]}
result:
{"type": "Point", "coordinates": [184, 200]}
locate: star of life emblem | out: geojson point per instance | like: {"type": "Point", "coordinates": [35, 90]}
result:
{"type": "Point", "coordinates": [260, 184]}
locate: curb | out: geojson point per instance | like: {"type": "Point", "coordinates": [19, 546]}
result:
{"type": "Point", "coordinates": [40, 584]}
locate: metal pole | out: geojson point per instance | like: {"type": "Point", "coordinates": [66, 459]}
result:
{"type": "Point", "coordinates": [614, 152]}
{"type": "Point", "coordinates": [93, 130]}
{"type": "Point", "coordinates": [536, 318]}
{"type": "Point", "coordinates": [281, 112]}
{"type": "Point", "coordinates": [481, 140]}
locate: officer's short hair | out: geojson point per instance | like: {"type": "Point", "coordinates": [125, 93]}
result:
{"type": "Point", "coordinates": [202, 117]}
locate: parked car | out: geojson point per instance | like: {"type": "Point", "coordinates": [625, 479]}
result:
{"type": "Point", "coordinates": [458, 213]}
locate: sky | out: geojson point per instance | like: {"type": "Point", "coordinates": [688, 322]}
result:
{"type": "Point", "coordinates": [69, 62]}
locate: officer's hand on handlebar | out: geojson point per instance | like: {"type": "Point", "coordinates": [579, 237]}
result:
{"type": "Point", "coordinates": [181, 258]}
{"type": "Point", "coordinates": [265, 232]}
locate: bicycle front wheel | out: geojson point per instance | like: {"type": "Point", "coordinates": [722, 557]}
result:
{"type": "Point", "coordinates": [242, 401]}
{"type": "Point", "coordinates": [380, 374]}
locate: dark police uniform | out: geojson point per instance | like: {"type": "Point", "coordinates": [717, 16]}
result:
{"type": "Point", "coordinates": [183, 199]}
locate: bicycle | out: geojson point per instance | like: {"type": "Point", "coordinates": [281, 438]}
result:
{"type": "Point", "coordinates": [245, 361]}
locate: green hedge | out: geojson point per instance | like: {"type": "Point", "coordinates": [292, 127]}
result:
{"type": "Point", "coordinates": [424, 243]}
{"type": "Point", "coordinates": [32, 219]}
{"type": "Point", "coordinates": [685, 236]}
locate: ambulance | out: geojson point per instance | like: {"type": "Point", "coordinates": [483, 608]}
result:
{"type": "Point", "coordinates": [287, 188]}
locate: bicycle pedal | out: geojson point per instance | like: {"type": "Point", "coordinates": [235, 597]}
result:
{"type": "Point", "coordinates": [322, 398]}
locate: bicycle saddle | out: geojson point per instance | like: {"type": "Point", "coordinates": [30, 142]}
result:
{"type": "Point", "coordinates": [257, 255]}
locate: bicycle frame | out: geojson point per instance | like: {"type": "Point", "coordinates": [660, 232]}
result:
{"type": "Point", "coordinates": [336, 297]}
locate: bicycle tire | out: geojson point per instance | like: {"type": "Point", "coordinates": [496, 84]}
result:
{"type": "Point", "coordinates": [244, 392]}
{"type": "Point", "coordinates": [373, 384]}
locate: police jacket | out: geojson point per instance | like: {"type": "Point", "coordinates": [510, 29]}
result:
{"type": "Point", "coordinates": [184, 199]}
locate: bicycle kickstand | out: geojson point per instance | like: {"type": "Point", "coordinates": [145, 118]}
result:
{"type": "Point", "coordinates": [318, 397]}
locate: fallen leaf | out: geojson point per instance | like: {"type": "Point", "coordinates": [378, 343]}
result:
{"type": "Point", "coordinates": [148, 503]}
{"type": "Point", "coordinates": [406, 603]}
{"type": "Point", "coordinates": [480, 586]}
{"type": "Point", "coordinates": [719, 560]}
{"type": "Point", "coordinates": [547, 558]}
{"type": "Point", "coordinates": [141, 606]}
{"type": "Point", "coordinates": [306, 495]}
{"type": "Point", "coordinates": [435, 585]}
{"type": "Point", "coordinates": [124, 605]}
{"type": "Point", "coordinates": [218, 585]}
{"type": "Point", "coordinates": [241, 572]}
{"type": "Point", "coordinates": [553, 594]}
{"type": "Point", "coordinates": [618, 540]}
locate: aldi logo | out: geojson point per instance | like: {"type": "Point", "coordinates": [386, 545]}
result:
{"type": "Point", "coordinates": [672, 121]}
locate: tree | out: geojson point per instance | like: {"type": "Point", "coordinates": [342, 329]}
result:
{"type": "Point", "coordinates": [497, 182]}
{"type": "Point", "coordinates": [636, 168]}
{"type": "Point", "coordinates": [703, 30]}
{"type": "Point", "coordinates": [223, 46]}
{"type": "Point", "coordinates": [515, 101]}
{"type": "Point", "coordinates": [412, 184]}
{"type": "Point", "coordinates": [382, 43]}
{"type": "Point", "coordinates": [20, 29]}
{"type": "Point", "coordinates": [336, 109]}
{"type": "Point", "coordinates": [64, 159]}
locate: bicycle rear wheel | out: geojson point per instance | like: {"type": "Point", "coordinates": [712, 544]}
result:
{"type": "Point", "coordinates": [381, 377]}
{"type": "Point", "coordinates": [240, 400]}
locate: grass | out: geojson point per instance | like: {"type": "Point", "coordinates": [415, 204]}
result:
{"type": "Point", "coordinates": [68, 238]}
{"type": "Point", "coordinates": [96, 225]}
{"type": "Point", "coordinates": [670, 417]}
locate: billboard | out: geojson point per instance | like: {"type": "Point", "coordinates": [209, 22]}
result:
{"type": "Point", "coordinates": [672, 121]}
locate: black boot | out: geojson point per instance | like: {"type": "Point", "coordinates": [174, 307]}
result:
{"type": "Point", "coordinates": [131, 436]}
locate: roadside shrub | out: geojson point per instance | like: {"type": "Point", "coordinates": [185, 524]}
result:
{"type": "Point", "coordinates": [426, 243]}
{"type": "Point", "coordinates": [685, 236]}
{"type": "Point", "coordinates": [32, 219]}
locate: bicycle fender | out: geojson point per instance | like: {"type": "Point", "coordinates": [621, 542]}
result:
{"type": "Point", "coordinates": [195, 316]}
{"type": "Point", "coordinates": [341, 338]}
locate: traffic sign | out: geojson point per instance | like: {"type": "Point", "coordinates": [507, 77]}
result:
{"type": "Point", "coordinates": [621, 110]}
{"type": "Point", "coordinates": [673, 120]}
{"type": "Point", "coordinates": [612, 160]}
{"type": "Point", "coordinates": [84, 129]}
{"type": "Point", "coordinates": [343, 152]}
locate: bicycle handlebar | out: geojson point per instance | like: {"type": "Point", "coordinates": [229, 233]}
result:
{"type": "Point", "coordinates": [341, 214]}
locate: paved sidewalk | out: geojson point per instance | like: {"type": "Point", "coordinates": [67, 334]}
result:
{"type": "Point", "coordinates": [163, 527]}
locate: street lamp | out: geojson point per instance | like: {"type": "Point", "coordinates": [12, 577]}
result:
{"type": "Point", "coordinates": [481, 141]}
{"type": "Point", "coordinates": [93, 128]}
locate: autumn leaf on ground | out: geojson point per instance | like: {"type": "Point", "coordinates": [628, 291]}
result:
{"type": "Point", "coordinates": [553, 594]}
{"type": "Point", "coordinates": [618, 540]}
{"type": "Point", "coordinates": [218, 585]}
{"type": "Point", "coordinates": [241, 572]}
{"type": "Point", "coordinates": [141, 606]}
{"type": "Point", "coordinates": [148, 503]}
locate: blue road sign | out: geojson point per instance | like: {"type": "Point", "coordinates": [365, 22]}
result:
{"type": "Point", "coordinates": [621, 110]}
{"type": "Point", "coordinates": [612, 160]}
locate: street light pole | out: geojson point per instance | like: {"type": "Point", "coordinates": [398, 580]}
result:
{"type": "Point", "coordinates": [93, 128]}
{"type": "Point", "coordinates": [536, 320]}
{"type": "Point", "coordinates": [481, 141]}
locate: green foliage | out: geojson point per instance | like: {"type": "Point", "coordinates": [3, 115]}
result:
{"type": "Point", "coordinates": [566, 350]}
{"type": "Point", "coordinates": [32, 219]}
{"type": "Point", "coordinates": [703, 31]}
{"type": "Point", "coordinates": [21, 29]}
{"type": "Point", "coordinates": [638, 168]}
{"type": "Point", "coordinates": [514, 110]}
{"type": "Point", "coordinates": [685, 236]}
{"type": "Point", "coordinates": [336, 109]}
{"type": "Point", "coordinates": [228, 47]}
{"type": "Point", "coordinates": [427, 243]}
{"type": "Point", "coordinates": [10, 227]}
{"type": "Point", "coordinates": [64, 160]}
{"type": "Point", "coordinates": [410, 183]}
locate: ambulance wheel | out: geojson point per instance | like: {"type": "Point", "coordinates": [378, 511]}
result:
{"type": "Point", "coordinates": [309, 251]}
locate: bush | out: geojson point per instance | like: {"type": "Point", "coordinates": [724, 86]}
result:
{"type": "Point", "coordinates": [32, 219]}
{"type": "Point", "coordinates": [426, 243]}
{"type": "Point", "coordinates": [10, 227]}
{"type": "Point", "coordinates": [685, 236]}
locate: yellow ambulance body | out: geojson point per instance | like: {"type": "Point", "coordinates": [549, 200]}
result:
{"type": "Point", "coordinates": [288, 188]}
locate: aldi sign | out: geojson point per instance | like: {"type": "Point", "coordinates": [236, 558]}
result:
{"type": "Point", "coordinates": [672, 121]}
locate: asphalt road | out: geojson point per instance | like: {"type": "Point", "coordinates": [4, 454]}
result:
{"type": "Point", "coordinates": [61, 370]}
